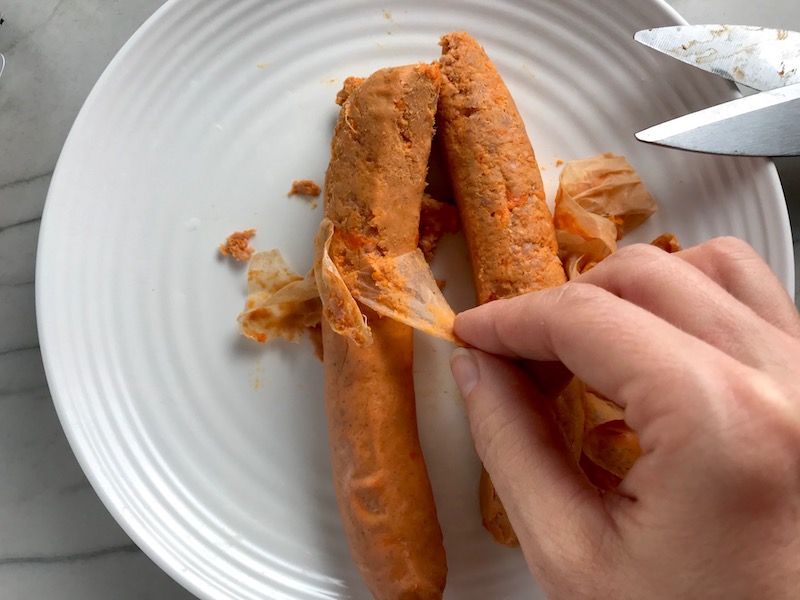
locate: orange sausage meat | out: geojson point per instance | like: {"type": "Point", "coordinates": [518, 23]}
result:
{"type": "Point", "coordinates": [500, 197]}
{"type": "Point", "coordinates": [373, 190]}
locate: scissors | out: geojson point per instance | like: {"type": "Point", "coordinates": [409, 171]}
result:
{"type": "Point", "coordinates": [766, 123]}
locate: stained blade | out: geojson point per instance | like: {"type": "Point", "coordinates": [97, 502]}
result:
{"type": "Point", "coordinates": [758, 57]}
{"type": "Point", "coordinates": [765, 124]}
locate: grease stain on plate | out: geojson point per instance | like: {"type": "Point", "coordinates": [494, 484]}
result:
{"type": "Point", "coordinates": [257, 377]}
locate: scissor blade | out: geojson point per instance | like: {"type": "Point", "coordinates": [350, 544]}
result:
{"type": "Point", "coordinates": [758, 57]}
{"type": "Point", "coordinates": [765, 124]}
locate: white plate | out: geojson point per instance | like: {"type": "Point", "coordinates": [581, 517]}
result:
{"type": "Point", "coordinates": [211, 450]}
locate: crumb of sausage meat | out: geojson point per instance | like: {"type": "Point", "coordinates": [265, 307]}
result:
{"type": "Point", "coordinates": [350, 84]}
{"type": "Point", "coordinates": [237, 245]}
{"type": "Point", "coordinates": [305, 187]}
{"type": "Point", "coordinates": [667, 242]}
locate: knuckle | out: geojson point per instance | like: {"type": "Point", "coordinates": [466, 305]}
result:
{"type": "Point", "coordinates": [727, 245]}
{"type": "Point", "coordinates": [577, 294]}
{"type": "Point", "coordinates": [592, 311]}
{"type": "Point", "coordinates": [492, 431]}
{"type": "Point", "coordinates": [729, 252]}
{"type": "Point", "coordinates": [638, 252]}
{"type": "Point", "coordinates": [763, 436]}
{"type": "Point", "coordinates": [639, 259]}
{"type": "Point", "coordinates": [482, 430]}
{"type": "Point", "coordinates": [634, 256]}
{"type": "Point", "coordinates": [781, 415]}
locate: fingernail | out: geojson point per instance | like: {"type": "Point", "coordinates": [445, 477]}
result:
{"type": "Point", "coordinates": [465, 370]}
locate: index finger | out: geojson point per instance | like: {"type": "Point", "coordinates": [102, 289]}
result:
{"type": "Point", "coordinates": [653, 369]}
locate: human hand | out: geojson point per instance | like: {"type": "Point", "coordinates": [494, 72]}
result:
{"type": "Point", "coordinates": [702, 350]}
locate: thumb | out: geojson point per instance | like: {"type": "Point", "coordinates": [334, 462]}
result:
{"type": "Point", "coordinates": [555, 512]}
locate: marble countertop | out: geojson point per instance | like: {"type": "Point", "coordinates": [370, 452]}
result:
{"type": "Point", "coordinates": [56, 538]}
